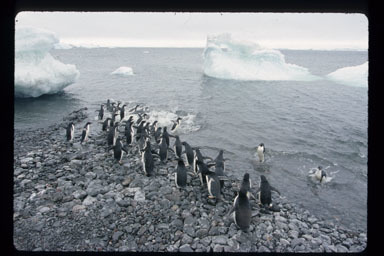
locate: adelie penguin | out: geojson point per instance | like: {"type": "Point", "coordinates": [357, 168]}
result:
{"type": "Point", "coordinates": [70, 131]}
{"type": "Point", "coordinates": [241, 209]}
{"type": "Point", "coordinates": [101, 112]}
{"type": "Point", "coordinates": [163, 150]}
{"type": "Point", "coordinates": [180, 174]}
{"type": "Point", "coordinates": [166, 135]}
{"type": "Point", "coordinates": [213, 185]}
{"type": "Point", "coordinates": [157, 135]}
{"type": "Point", "coordinates": [122, 112]}
{"type": "Point", "coordinates": [118, 150]}
{"type": "Point", "coordinates": [176, 124]}
{"type": "Point", "coordinates": [320, 174]}
{"type": "Point", "coordinates": [188, 152]}
{"type": "Point", "coordinates": [260, 152]}
{"type": "Point", "coordinates": [106, 124]}
{"type": "Point", "coordinates": [246, 183]}
{"type": "Point", "coordinates": [139, 129]}
{"type": "Point", "coordinates": [147, 159]}
{"type": "Point", "coordinates": [85, 133]}
{"type": "Point", "coordinates": [265, 194]}
{"type": "Point", "coordinates": [112, 135]}
{"type": "Point", "coordinates": [220, 166]}
{"type": "Point", "coordinates": [128, 131]}
{"type": "Point", "coordinates": [178, 147]}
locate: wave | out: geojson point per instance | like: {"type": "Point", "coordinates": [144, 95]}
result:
{"type": "Point", "coordinates": [36, 71]}
{"type": "Point", "coordinates": [226, 58]}
{"type": "Point", "coordinates": [353, 76]}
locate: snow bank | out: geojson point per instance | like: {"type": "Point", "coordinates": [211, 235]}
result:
{"type": "Point", "coordinates": [36, 71]}
{"type": "Point", "coordinates": [353, 76]}
{"type": "Point", "coordinates": [227, 58]}
{"type": "Point", "coordinates": [123, 71]}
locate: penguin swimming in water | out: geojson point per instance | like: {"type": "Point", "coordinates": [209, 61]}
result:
{"type": "Point", "coordinates": [265, 193]}
{"type": "Point", "coordinates": [176, 124]}
{"type": "Point", "coordinates": [101, 112]}
{"type": "Point", "coordinates": [85, 133]}
{"type": "Point", "coordinates": [242, 210]}
{"type": "Point", "coordinates": [188, 152]}
{"type": "Point", "coordinates": [260, 152]}
{"type": "Point", "coordinates": [118, 150]}
{"type": "Point", "coordinates": [147, 159]}
{"type": "Point", "coordinates": [178, 148]}
{"type": "Point", "coordinates": [112, 135]}
{"type": "Point", "coordinates": [320, 173]}
{"type": "Point", "coordinates": [70, 131]}
{"type": "Point", "coordinates": [106, 124]}
{"type": "Point", "coordinates": [181, 174]}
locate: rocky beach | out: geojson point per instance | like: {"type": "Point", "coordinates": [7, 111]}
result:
{"type": "Point", "coordinates": [79, 198]}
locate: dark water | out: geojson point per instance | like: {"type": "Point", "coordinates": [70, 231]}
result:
{"type": "Point", "coordinates": [302, 124]}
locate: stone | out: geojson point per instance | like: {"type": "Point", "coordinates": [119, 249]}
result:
{"type": "Point", "coordinates": [219, 239]}
{"type": "Point", "coordinates": [89, 200]}
{"type": "Point", "coordinates": [189, 221]}
{"type": "Point", "coordinates": [117, 235]}
{"type": "Point", "coordinates": [78, 208]}
{"type": "Point", "coordinates": [79, 194]}
{"type": "Point", "coordinates": [185, 248]}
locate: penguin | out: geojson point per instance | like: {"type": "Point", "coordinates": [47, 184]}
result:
{"type": "Point", "coordinates": [133, 110]}
{"type": "Point", "coordinates": [320, 173]}
{"type": "Point", "coordinates": [157, 135]}
{"type": "Point", "coordinates": [70, 131]}
{"type": "Point", "coordinates": [112, 135]}
{"type": "Point", "coordinates": [128, 131]}
{"type": "Point", "coordinates": [118, 150]}
{"type": "Point", "coordinates": [203, 170]}
{"type": "Point", "coordinates": [153, 128]}
{"type": "Point", "coordinates": [146, 128]}
{"type": "Point", "coordinates": [166, 135]}
{"type": "Point", "coordinates": [141, 142]}
{"type": "Point", "coordinates": [220, 167]}
{"type": "Point", "coordinates": [178, 147]}
{"type": "Point", "coordinates": [176, 124]}
{"type": "Point", "coordinates": [188, 152]}
{"type": "Point", "coordinates": [163, 150]}
{"type": "Point", "coordinates": [198, 157]}
{"type": "Point", "coordinates": [101, 112]}
{"type": "Point", "coordinates": [213, 184]}
{"type": "Point", "coordinates": [246, 182]}
{"type": "Point", "coordinates": [85, 133]}
{"type": "Point", "coordinates": [140, 118]}
{"type": "Point", "coordinates": [265, 192]}
{"type": "Point", "coordinates": [260, 152]}
{"type": "Point", "coordinates": [181, 174]}
{"type": "Point", "coordinates": [122, 112]}
{"type": "Point", "coordinates": [139, 129]}
{"type": "Point", "coordinates": [147, 159]}
{"type": "Point", "coordinates": [113, 120]}
{"type": "Point", "coordinates": [116, 116]}
{"type": "Point", "coordinates": [241, 209]}
{"type": "Point", "coordinates": [106, 124]}
{"type": "Point", "coordinates": [108, 104]}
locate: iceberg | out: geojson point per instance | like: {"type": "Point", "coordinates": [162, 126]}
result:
{"type": "Point", "coordinates": [226, 58]}
{"type": "Point", "coordinates": [353, 76]}
{"type": "Point", "coordinates": [36, 71]}
{"type": "Point", "coordinates": [123, 71]}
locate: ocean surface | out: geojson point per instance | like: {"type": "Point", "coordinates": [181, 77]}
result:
{"type": "Point", "coordinates": [303, 124]}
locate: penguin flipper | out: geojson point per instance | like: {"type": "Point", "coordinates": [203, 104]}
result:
{"type": "Point", "coordinates": [211, 164]}
{"type": "Point", "coordinates": [230, 211]}
{"type": "Point", "coordinates": [171, 150]}
{"type": "Point", "coordinates": [111, 147]}
{"type": "Point", "coordinates": [208, 157]}
{"type": "Point", "coordinates": [125, 150]}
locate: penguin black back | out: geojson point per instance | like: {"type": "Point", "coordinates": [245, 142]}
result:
{"type": "Point", "coordinates": [243, 212]}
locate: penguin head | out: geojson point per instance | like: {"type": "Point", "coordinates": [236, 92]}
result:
{"type": "Point", "coordinates": [263, 179]}
{"type": "Point", "coordinates": [165, 129]}
{"type": "Point", "coordinates": [261, 145]}
{"type": "Point", "coordinates": [180, 162]}
{"type": "Point", "coordinates": [243, 192]}
{"type": "Point", "coordinates": [179, 119]}
{"type": "Point", "coordinates": [183, 143]}
{"type": "Point", "coordinates": [177, 137]}
{"type": "Point", "coordinates": [319, 167]}
{"type": "Point", "coordinates": [246, 177]}
{"type": "Point", "coordinates": [88, 123]}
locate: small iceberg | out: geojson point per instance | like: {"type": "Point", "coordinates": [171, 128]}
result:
{"type": "Point", "coordinates": [36, 71]}
{"type": "Point", "coordinates": [353, 76]}
{"type": "Point", "coordinates": [123, 71]}
{"type": "Point", "coordinates": [226, 58]}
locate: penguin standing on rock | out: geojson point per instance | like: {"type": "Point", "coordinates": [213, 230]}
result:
{"type": "Point", "coordinates": [106, 124]}
{"type": "Point", "coordinates": [70, 131]}
{"type": "Point", "coordinates": [265, 194]}
{"type": "Point", "coordinates": [181, 174]}
{"type": "Point", "coordinates": [246, 183]}
{"type": "Point", "coordinates": [85, 133]}
{"type": "Point", "coordinates": [101, 112]}
{"type": "Point", "coordinates": [128, 131]}
{"type": "Point", "coordinates": [178, 148]}
{"type": "Point", "coordinates": [260, 152]}
{"type": "Point", "coordinates": [118, 150]}
{"type": "Point", "coordinates": [242, 209]}
{"type": "Point", "coordinates": [188, 152]}
{"type": "Point", "coordinates": [163, 149]}
{"type": "Point", "coordinates": [112, 135]}
{"type": "Point", "coordinates": [147, 159]}
{"type": "Point", "coordinates": [157, 135]}
{"type": "Point", "coordinates": [213, 184]}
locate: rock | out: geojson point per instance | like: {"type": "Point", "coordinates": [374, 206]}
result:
{"type": "Point", "coordinates": [79, 194]}
{"type": "Point", "coordinates": [78, 208]}
{"type": "Point", "coordinates": [116, 236]}
{"type": "Point", "coordinates": [185, 248]}
{"type": "Point", "coordinates": [189, 221]}
{"type": "Point", "coordinates": [139, 196]}
{"type": "Point", "coordinates": [284, 242]}
{"type": "Point", "coordinates": [218, 248]}
{"type": "Point", "coordinates": [89, 200]}
{"type": "Point", "coordinates": [186, 239]}
{"type": "Point", "coordinates": [44, 209]}
{"type": "Point", "coordinates": [219, 239]}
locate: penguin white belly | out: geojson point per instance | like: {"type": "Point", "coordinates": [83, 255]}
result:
{"type": "Point", "coordinates": [260, 154]}
{"type": "Point", "coordinates": [176, 180]}
{"type": "Point", "coordinates": [318, 174]}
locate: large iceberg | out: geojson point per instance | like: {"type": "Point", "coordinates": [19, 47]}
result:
{"type": "Point", "coordinates": [123, 71]}
{"type": "Point", "coordinates": [36, 71]}
{"type": "Point", "coordinates": [227, 58]}
{"type": "Point", "coordinates": [354, 76]}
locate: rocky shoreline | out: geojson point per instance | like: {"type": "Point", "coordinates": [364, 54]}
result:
{"type": "Point", "coordinates": [78, 198]}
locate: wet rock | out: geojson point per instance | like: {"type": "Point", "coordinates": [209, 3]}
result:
{"type": "Point", "coordinates": [185, 248]}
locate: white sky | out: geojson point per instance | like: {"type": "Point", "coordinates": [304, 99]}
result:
{"type": "Point", "coordinates": [165, 29]}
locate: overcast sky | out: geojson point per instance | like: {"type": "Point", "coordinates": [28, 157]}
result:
{"type": "Point", "coordinates": [275, 30]}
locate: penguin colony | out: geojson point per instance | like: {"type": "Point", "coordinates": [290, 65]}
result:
{"type": "Point", "coordinates": [153, 142]}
